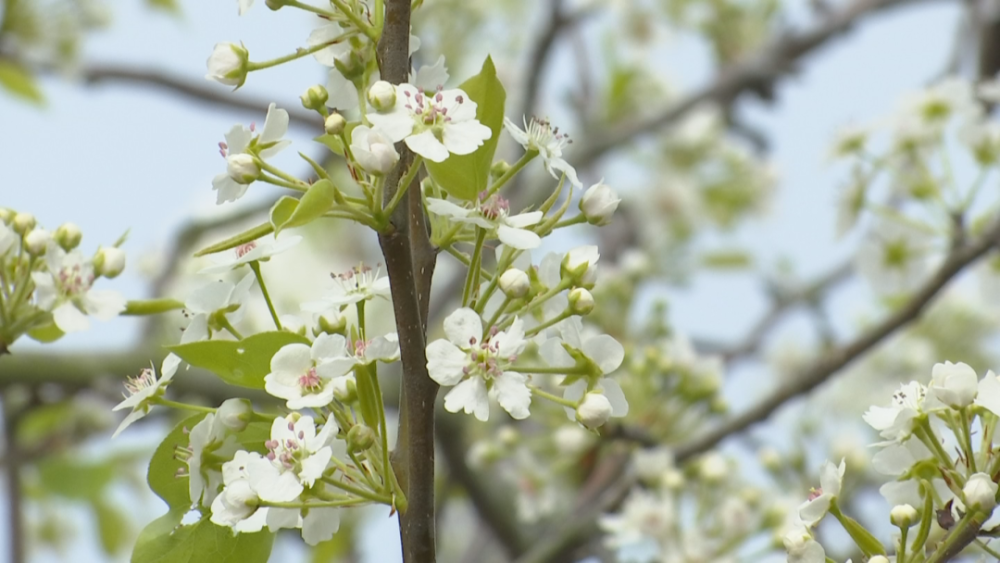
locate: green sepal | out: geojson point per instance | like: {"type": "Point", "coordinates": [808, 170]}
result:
{"type": "Point", "coordinates": [465, 176]}
{"type": "Point", "coordinates": [367, 399]}
{"type": "Point", "coordinates": [319, 170]}
{"type": "Point", "coordinates": [151, 306]}
{"type": "Point", "coordinates": [244, 362]}
{"type": "Point", "coordinates": [46, 333]}
{"type": "Point", "coordinates": [236, 240]}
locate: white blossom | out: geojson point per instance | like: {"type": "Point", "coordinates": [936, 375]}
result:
{"type": "Point", "coordinates": [228, 64]}
{"type": "Point", "coordinates": [477, 365]}
{"type": "Point", "coordinates": [539, 135]}
{"type": "Point", "coordinates": [644, 515]}
{"type": "Point", "coordinates": [801, 546]}
{"type": "Point", "coordinates": [831, 479]}
{"type": "Point", "coordinates": [953, 384]}
{"type": "Point", "coordinates": [360, 283]}
{"type": "Point", "coordinates": [207, 440]}
{"type": "Point", "coordinates": [215, 298]}
{"type": "Point", "coordinates": [988, 393]}
{"type": "Point", "coordinates": [599, 203]}
{"type": "Point", "coordinates": [65, 290]}
{"type": "Point", "coordinates": [980, 491]}
{"type": "Point", "coordinates": [259, 250]}
{"type": "Point", "coordinates": [895, 422]}
{"type": "Point", "coordinates": [296, 458]}
{"type": "Point", "coordinates": [304, 375]}
{"type": "Point", "coordinates": [240, 143]}
{"type": "Point", "coordinates": [373, 151]}
{"type": "Point", "coordinates": [493, 214]}
{"type": "Point", "coordinates": [432, 126]}
{"type": "Point", "coordinates": [600, 350]}
{"type": "Point", "coordinates": [8, 238]}
{"type": "Point", "coordinates": [893, 257]}
{"type": "Point", "coordinates": [143, 388]}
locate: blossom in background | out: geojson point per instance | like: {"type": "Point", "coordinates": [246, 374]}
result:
{"type": "Point", "coordinates": [851, 201]}
{"type": "Point", "coordinates": [239, 149]}
{"type": "Point", "coordinates": [258, 250]}
{"type": "Point", "coordinates": [598, 203]}
{"type": "Point", "coordinates": [893, 257]}
{"type": "Point", "coordinates": [831, 479]}
{"type": "Point", "coordinates": [478, 366]}
{"type": "Point", "coordinates": [65, 290]}
{"type": "Point", "coordinates": [801, 546]}
{"type": "Point", "coordinates": [144, 387]}
{"type": "Point", "coordinates": [215, 298]}
{"type": "Point", "coordinates": [7, 238]}
{"type": "Point", "coordinates": [645, 515]}
{"type": "Point", "coordinates": [895, 422]}
{"type": "Point", "coordinates": [304, 375]}
{"type": "Point", "coordinates": [539, 135]}
{"type": "Point", "coordinates": [361, 283]}
{"type": "Point", "coordinates": [433, 126]}
{"type": "Point", "coordinates": [493, 214]}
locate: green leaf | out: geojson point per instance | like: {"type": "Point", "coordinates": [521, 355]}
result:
{"type": "Point", "coordinates": [464, 176]}
{"type": "Point", "coordinates": [334, 142]}
{"type": "Point", "coordinates": [19, 82]}
{"type": "Point", "coordinates": [317, 200]}
{"type": "Point", "coordinates": [165, 541]}
{"type": "Point", "coordinates": [244, 362]}
{"type": "Point", "coordinates": [112, 526]}
{"type": "Point", "coordinates": [162, 475]}
{"type": "Point", "coordinates": [46, 333]}
{"type": "Point", "coordinates": [73, 479]}
{"type": "Point", "coordinates": [236, 240]}
{"type": "Point", "coordinates": [151, 306]}
{"type": "Point", "coordinates": [861, 536]}
{"type": "Point", "coordinates": [367, 398]}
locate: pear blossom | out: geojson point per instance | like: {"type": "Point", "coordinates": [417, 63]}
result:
{"type": "Point", "coordinates": [851, 201]}
{"type": "Point", "coordinates": [605, 400]}
{"type": "Point", "coordinates": [431, 77]}
{"type": "Point", "coordinates": [8, 238]}
{"type": "Point", "coordinates": [831, 481]}
{"type": "Point", "coordinates": [37, 240]}
{"type": "Point", "coordinates": [645, 515]}
{"type": "Point", "coordinates": [304, 375]}
{"type": "Point", "coordinates": [215, 298]}
{"type": "Point", "coordinates": [361, 283]}
{"type": "Point", "coordinates": [259, 250]}
{"type": "Point", "coordinates": [234, 414]}
{"type": "Point", "coordinates": [65, 290]}
{"type": "Point", "coordinates": [109, 262]}
{"type": "Point", "coordinates": [601, 351]}
{"type": "Point", "coordinates": [228, 64]}
{"type": "Point", "coordinates": [239, 148]}
{"type": "Point", "coordinates": [953, 384]}
{"type": "Point", "coordinates": [364, 352]}
{"type": "Point", "coordinates": [893, 257]}
{"type": "Point", "coordinates": [895, 422]}
{"type": "Point", "coordinates": [539, 135]}
{"type": "Point", "coordinates": [980, 491]}
{"type": "Point", "coordinates": [296, 458]}
{"type": "Point", "coordinates": [988, 393]}
{"type": "Point", "coordinates": [493, 214]}
{"type": "Point", "coordinates": [237, 506]}
{"type": "Point", "coordinates": [478, 366]}
{"type": "Point", "coordinates": [338, 47]}
{"type": "Point", "coordinates": [599, 203]}
{"type": "Point", "coordinates": [433, 126]}
{"type": "Point", "coordinates": [373, 151]}
{"type": "Point", "coordinates": [208, 440]}
{"type": "Point", "coordinates": [143, 388]}
{"type": "Point", "coordinates": [580, 264]}
{"type": "Point", "coordinates": [801, 546]}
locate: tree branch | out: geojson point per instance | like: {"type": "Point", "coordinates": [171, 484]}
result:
{"type": "Point", "coordinates": [16, 549]}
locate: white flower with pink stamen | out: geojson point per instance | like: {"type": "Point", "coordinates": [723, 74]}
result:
{"type": "Point", "coordinates": [240, 148]}
{"type": "Point", "coordinates": [296, 458]}
{"type": "Point", "coordinates": [432, 126]}
{"type": "Point", "coordinates": [364, 352]}
{"type": "Point", "coordinates": [493, 214]}
{"type": "Point", "coordinates": [478, 366]}
{"type": "Point", "coordinates": [65, 290]}
{"type": "Point", "coordinates": [143, 388]}
{"type": "Point", "coordinates": [360, 283]}
{"type": "Point", "coordinates": [261, 250]}
{"type": "Point", "coordinates": [539, 135]}
{"type": "Point", "coordinates": [304, 376]}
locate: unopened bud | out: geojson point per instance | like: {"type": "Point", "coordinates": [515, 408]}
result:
{"type": "Point", "coordinates": [599, 203]}
{"type": "Point", "coordinates": [498, 169]}
{"type": "Point", "coordinates": [514, 283]}
{"type": "Point", "coordinates": [581, 302]}
{"type": "Point", "coordinates": [6, 215]}
{"type": "Point", "coordinates": [594, 410]}
{"type": "Point", "coordinates": [360, 438]}
{"type": "Point", "coordinates": [229, 64]}
{"type": "Point", "coordinates": [315, 98]}
{"type": "Point", "coordinates": [382, 96]}
{"type": "Point", "coordinates": [878, 559]}
{"type": "Point", "coordinates": [713, 468]}
{"type": "Point", "coordinates": [345, 389]}
{"type": "Point", "coordinates": [580, 266]}
{"type": "Point", "coordinates": [36, 241]}
{"type": "Point", "coordinates": [770, 459]}
{"type": "Point", "coordinates": [23, 222]}
{"type": "Point", "coordinates": [235, 414]}
{"type": "Point", "coordinates": [672, 479]}
{"type": "Point", "coordinates": [334, 124]}
{"type": "Point", "coordinates": [276, 5]}
{"type": "Point", "coordinates": [980, 491]}
{"type": "Point", "coordinates": [109, 262]}
{"type": "Point", "coordinates": [903, 515]}
{"type": "Point", "coordinates": [508, 436]}
{"type": "Point", "coordinates": [68, 236]}
{"type": "Point", "coordinates": [242, 168]}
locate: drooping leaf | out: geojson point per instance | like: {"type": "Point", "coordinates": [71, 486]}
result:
{"type": "Point", "coordinates": [151, 306]}
{"type": "Point", "coordinates": [244, 362]}
{"type": "Point", "coordinates": [464, 176]}
{"type": "Point", "coordinates": [311, 206]}
{"type": "Point", "coordinates": [19, 82]}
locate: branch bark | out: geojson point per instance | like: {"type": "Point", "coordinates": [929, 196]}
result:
{"type": "Point", "coordinates": [16, 550]}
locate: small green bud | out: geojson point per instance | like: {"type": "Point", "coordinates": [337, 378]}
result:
{"type": "Point", "coordinates": [6, 215]}
{"type": "Point", "coordinates": [331, 322]}
{"type": "Point", "coordinates": [68, 236]}
{"type": "Point", "coordinates": [23, 222]}
{"type": "Point", "coordinates": [382, 96]}
{"type": "Point", "coordinates": [315, 98]}
{"type": "Point", "coordinates": [36, 241]}
{"type": "Point", "coordinates": [276, 5]}
{"type": "Point", "coordinates": [229, 64]}
{"type": "Point", "coordinates": [235, 414]}
{"type": "Point", "coordinates": [242, 168]}
{"type": "Point", "coordinates": [293, 324]}
{"type": "Point", "coordinates": [903, 515]}
{"type": "Point", "coordinates": [360, 438]}
{"type": "Point", "coordinates": [345, 389]}
{"type": "Point", "coordinates": [581, 302]}
{"type": "Point", "coordinates": [352, 67]}
{"type": "Point", "coordinates": [109, 262]}
{"type": "Point", "coordinates": [498, 169]}
{"type": "Point", "coordinates": [335, 124]}
{"type": "Point", "coordinates": [514, 283]}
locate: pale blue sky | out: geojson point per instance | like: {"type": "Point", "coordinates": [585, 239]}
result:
{"type": "Point", "coordinates": [116, 157]}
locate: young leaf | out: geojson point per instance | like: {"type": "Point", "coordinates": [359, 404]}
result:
{"type": "Point", "coordinates": [162, 475]}
{"type": "Point", "coordinates": [164, 541]}
{"type": "Point", "coordinates": [19, 82]}
{"type": "Point", "coordinates": [236, 240]}
{"type": "Point", "coordinates": [151, 306]}
{"type": "Point", "coordinates": [244, 362]}
{"type": "Point", "coordinates": [313, 204]}
{"type": "Point", "coordinates": [282, 211]}
{"type": "Point", "coordinates": [464, 176]}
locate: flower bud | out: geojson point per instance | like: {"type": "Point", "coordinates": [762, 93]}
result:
{"type": "Point", "coordinates": [334, 124]}
{"type": "Point", "coordinates": [599, 203]}
{"type": "Point", "coordinates": [980, 491]}
{"type": "Point", "coordinates": [373, 151]}
{"type": "Point", "coordinates": [498, 169]}
{"type": "Point", "coordinates": [242, 168]}
{"type": "Point", "coordinates": [382, 96]}
{"type": "Point", "coordinates": [229, 64]}
{"type": "Point", "coordinates": [109, 262]}
{"type": "Point", "coordinates": [315, 98]}
{"type": "Point", "coordinates": [571, 440]}
{"type": "Point", "coordinates": [594, 410]}
{"type": "Point", "coordinates": [770, 459]}
{"type": "Point", "coordinates": [36, 241]}
{"type": "Point", "coordinates": [23, 222]}
{"type": "Point", "coordinates": [360, 438]}
{"type": "Point", "coordinates": [581, 302]}
{"type": "Point", "coordinates": [713, 468]}
{"type": "Point", "coordinates": [878, 559]}
{"type": "Point", "coordinates": [6, 215]}
{"type": "Point", "coordinates": [276, 5]}
{"type": "Point", "coordinates": [234, 414]}
{"type": "Point", "coordinates": [672, 479]}
{"type": "Point", "coordinates": [345, 389]}
{"type": "Point", "coordinates": [514, 283]}
{"type": "Point", "coordinates": [236, 503]}
{"type": "Point", "coordinates": [580, 266]}
{"type": "Point", "coordinates": [68, 236]}
{"type": "Point", "coordinates": [903, 515]}
{"type": "Point", "coordinates": [508, 436]}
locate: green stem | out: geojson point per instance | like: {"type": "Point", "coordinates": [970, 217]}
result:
{"type": "Point", "coordinates": [555, 370]}
{"type": "Point", "coordinates": [496, 316]}
{"type": "Point", "coordinates": [298, 54]}
{"type": "Point", "coordinates": [280, 173]}
{"type": "Point", "coordinates": [229, 327]}
{"type": "Point", "coordinates": [281, 183]}
{"type": "Point", "coordinates": [403, 186]}
{"type": "Point", "coordinates": [375, 497]}
{"type": "Point", "coordinates": [472, 279]}
{"type": "Point", "coordinates": [901, 554]}
{"type": "Point", "coordinates": [538, 301]}
{"type": "Point", "coordinates": [181, 406]}
{"type": "Point", "coordinates": [388, 474]}
{"type": "Point", "coordinates": [575, 220]}
{"type": "Point", "coordinates": [362, 25]}
{"type": "Point", "coordinates": [505, 259]}
{"type": "Point", "coordinates": [255, 266]}
{"type": "Point", "coordinates": [309, 8]}
{"type": "Point", "coordinates": [555, 399]}
{"type": "Point", "coordinates": [926, 435]}
{"type": "Point", "coordinates": [967, 440]}
{"type": "Point", "coordinates": [315, 504]}
{"type": "Point", "coordinates": [512, 171]}
{"type": "Point", "coordinates": [558, 318]}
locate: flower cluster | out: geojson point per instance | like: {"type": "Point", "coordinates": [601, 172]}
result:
{"type": "Point", "coordinates": [46, 283]}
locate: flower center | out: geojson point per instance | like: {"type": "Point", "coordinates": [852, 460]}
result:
{"type": "Point", "coordinates": [145, 380]}
{"type": "Point", "coordinates": [546, 138]}
{"type": "Point", "coordinates": [358, 279]}
{"type": "Point", "coordinates": [430, 111]}
{"type": "Point", "coordinates": [289, 452]}
{"type": "Point", "coordinates": [359, 348]}
{"type": "Point", "coordinates": [74, 280]}
{"type": "Point", "coordinates": [244, 249]}
{"type": "Point", "coordinates": [310, 381]}
{"type": "Point", "coordinates": [484, 357]}
{"type": "Point", "coordinates": [493, 208]}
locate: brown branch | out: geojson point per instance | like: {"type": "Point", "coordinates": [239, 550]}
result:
{"type": "Point", "coordinates": [540, 55]}
{"type": "Point", "coordinates": [16, 549]}
{"type": "Point", "coordinates": [832, 362]}
{"type": "Point", "coordinates": [202, 91]}
{"type": "Point", "coordinates": [755, 72]}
